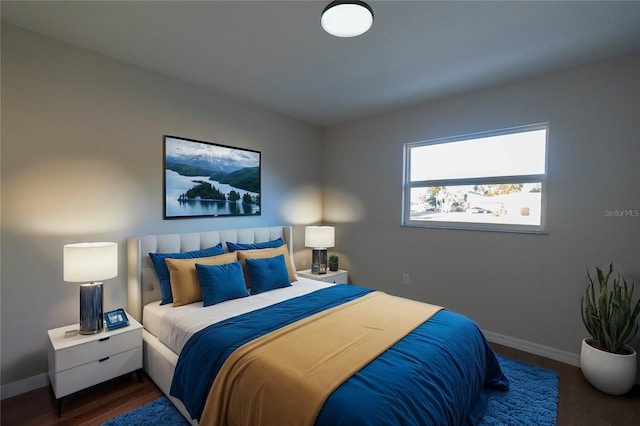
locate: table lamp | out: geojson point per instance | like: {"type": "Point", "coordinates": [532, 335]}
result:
{"type": "Point", "coordinates": [320, 238]}
{"type": "Point", "coordinates": [90, 264]}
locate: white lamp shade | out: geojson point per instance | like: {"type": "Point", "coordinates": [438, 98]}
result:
{"type": "Point", "coordinates": [89, 262]}
{"type": "Point", "coordinates": [319, 236]}
{"type": "Point", "coordinates": [347, 18]}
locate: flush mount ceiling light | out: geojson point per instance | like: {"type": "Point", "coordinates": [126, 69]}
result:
{"type": "Point", "coordinates": [347, 18]}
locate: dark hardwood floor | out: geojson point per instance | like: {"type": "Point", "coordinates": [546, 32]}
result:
{"type": "Point", "coordinates": [93, 406]}
{"type": "Point", "coordinates": [579, 403]}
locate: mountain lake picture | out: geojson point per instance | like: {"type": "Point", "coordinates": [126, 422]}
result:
{"type": "Point", "coordinates": [207, 179]}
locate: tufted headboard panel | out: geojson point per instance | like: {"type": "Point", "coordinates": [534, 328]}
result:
{"type": "Point", "coordinates": [142, 282]}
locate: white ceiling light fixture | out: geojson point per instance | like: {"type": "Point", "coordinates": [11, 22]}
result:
{"type": "Point", "coordinates": [347, 18]}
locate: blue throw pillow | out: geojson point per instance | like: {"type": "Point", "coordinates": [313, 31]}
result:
{"type": "Point", "coordinates": [268, 274]}
{"type": "Point", "coordinates": [163, 272]}
{"type": "Point", "coordinates": [267, 244]}
{"type": "Point", "coordinates": [221, 282]}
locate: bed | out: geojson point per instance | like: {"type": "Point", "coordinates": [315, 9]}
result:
{"type": "Point", "coordinates": [437, 372]}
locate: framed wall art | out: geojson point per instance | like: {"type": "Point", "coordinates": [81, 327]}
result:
{"type": "Point", "coordinates": [205, 179]}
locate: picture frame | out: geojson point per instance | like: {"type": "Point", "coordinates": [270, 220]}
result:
{"type": "Point", "coordinates": [116, 319]}
{"type": "Point", "coordinates": [206, 179]}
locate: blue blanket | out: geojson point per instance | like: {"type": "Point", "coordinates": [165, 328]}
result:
{"type": "Point", "coordinates": [435, 375]}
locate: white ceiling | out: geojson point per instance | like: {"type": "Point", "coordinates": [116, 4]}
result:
{"type": "Point", "coordinates": [275, 53]}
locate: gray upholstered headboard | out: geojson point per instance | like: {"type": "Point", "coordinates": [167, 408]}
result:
{"type": "Point", "coordinates": [142, 282]}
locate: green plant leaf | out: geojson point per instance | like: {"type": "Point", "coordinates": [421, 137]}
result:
{"type": "Point", "coordinates": [610, 315]}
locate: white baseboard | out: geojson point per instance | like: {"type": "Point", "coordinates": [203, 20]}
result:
{"type": "Point", "coordinates": [25, 385]}
{"type": "Point", "coordinates": [534, 348]}
{"type": "Point", "coordinates": [545, 351]}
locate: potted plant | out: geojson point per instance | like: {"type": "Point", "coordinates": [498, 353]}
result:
{"type": "Point", "coordinates": [609, 314]}
{"type": "Point", "coordinates": [333, 262]}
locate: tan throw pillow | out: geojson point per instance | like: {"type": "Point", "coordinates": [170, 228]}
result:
{"type": "Point", "coordinates": [183, 276]}
{"type": "Point", "coordinates": [243, 255]}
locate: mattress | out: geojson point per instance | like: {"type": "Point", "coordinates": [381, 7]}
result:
{"type": "Point", "coordinates": [173, 326]}
{"type": "Point", "coordinates": [152, 316]}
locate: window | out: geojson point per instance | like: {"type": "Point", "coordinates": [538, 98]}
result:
{"type": "Point", "coordinates": [488, 181]}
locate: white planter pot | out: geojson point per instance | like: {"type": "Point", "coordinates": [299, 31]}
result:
{"type": "Point", "coordinates": [611, 373]}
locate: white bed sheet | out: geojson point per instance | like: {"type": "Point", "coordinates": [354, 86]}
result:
{"type": "Point", "coordinates": [174, 326]}
{"type": "Point", "coordinates": [152, 316]}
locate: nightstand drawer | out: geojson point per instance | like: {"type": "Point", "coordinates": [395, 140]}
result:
{"type": "Point", "coordinates": [92, 373]}
{"type": "Point", "coordinates": [93, 350]}
{"type": "Point", "coordinates": [336, 277]}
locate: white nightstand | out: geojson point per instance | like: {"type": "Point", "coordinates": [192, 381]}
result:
{"type": "Point", "coordinates": [79, 361]}
{"type": "Point", "coordinates": [338, 277]}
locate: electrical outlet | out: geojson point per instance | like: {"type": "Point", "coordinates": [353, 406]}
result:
{"type": "Point", "coordinates": [405, 278]}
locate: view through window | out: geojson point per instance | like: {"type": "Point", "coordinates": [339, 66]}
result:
{"type": "Point", "coordinates": [488, 181]}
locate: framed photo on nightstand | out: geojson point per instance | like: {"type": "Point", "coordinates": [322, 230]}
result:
{"type": "Point", "coordinates": [116, 319]}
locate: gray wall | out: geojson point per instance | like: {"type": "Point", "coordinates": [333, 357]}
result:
{"type": "Point", "coordinates": [518, 285]}
{"type": "Point", "coordinates": [82, 161]}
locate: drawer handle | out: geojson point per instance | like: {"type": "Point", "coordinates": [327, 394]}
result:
{"type": "Point", "coordinates": [103, 339]}
{"type": "Point", "coordinates": [103, 359]}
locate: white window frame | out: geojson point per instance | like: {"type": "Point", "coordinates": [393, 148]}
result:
{"type": "Point", "coordinates": [408, 185]}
